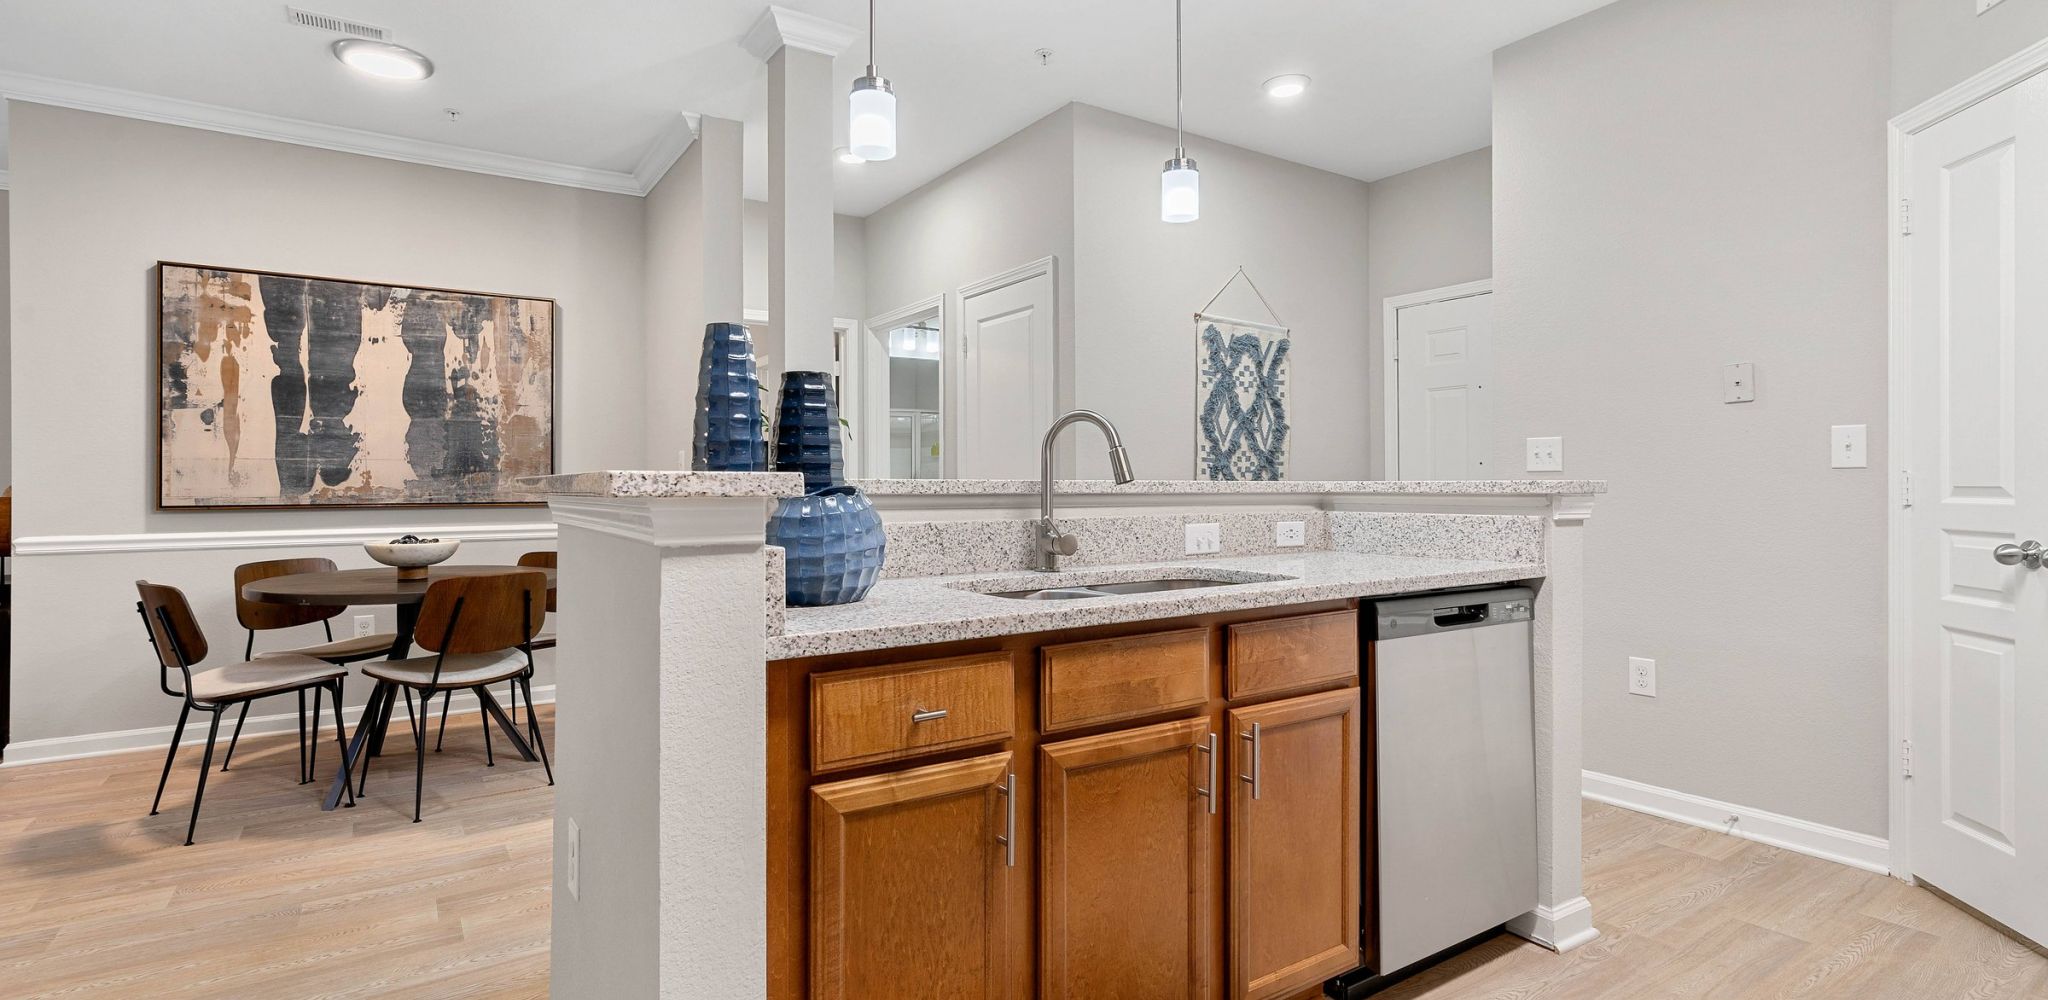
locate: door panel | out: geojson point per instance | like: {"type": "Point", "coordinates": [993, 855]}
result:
{"type": "Point", "coordinates": [1007, 385]}
{"type": "Point", "coordinates": [1128, 842]}
{"type": "Point", "coordinates": [1978, 628]}
{"type": "Point", "coordinates": [910, 885]}
{"type": "Point", "coordinates": [1445, 358]}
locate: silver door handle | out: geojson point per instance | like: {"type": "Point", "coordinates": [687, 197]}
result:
{"type": "Point", "coordinates": [928, 716]}
{"type": "Point", "coordinates": [1209, 792]}
{"type": "Point", "coordinates": [2028, 552]}
{"type": "Point", "coordinates": [1009, 837]}
{"type": "Point", "coordinates": [1252, 778]}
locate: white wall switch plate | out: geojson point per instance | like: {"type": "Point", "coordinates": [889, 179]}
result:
{"type": "Point", "coordinates": [1642, 676]}
{"type": "Point", "coordinates": [1290, 533]}
{"type": "Point", "coordinates": [1204, 539]}
{"type": "Point", "coordinates": [1546, 454]}
{"type": "Point", "coordinates": [365, 625]}
{"type": "Point", "coordinates": [1738, 383]}
{"type": "Point", "coordinates": [572, 873]}
{"type": "Point", "coordinates": [1848, 447]}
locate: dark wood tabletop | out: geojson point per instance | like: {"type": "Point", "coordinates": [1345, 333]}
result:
{"type": "Point", "coordinates": [367, 586]}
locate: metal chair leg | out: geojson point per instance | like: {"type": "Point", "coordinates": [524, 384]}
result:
{"type": "Point", "coordinates": [533, 726]}
{"type": "Point", "coordinates": [446, 697]}
{"type": "Point", "coordinates": [485, 718]}
{"type": "Point", "coordinates": [419, 753]}
{"type": "Point", "coordinates": [512, 696]}
{"type": "Point", "coordinates": [411, 722]}
{"type": "Point", "coordinates": [232, 740]}
{"type": "Point", "coordinates": [205, 765]}
{"type": "Point", "coordinates": [312, 754]}
{"type": "Point", "coordinates": [302, 733]}
{"type": "Point", "coordinates": [341, 737]}
{"type": "Point", "coordinates": [176, 735]}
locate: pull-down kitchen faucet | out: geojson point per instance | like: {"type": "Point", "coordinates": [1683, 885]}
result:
{"type": "Point", "coordinates": [1051, 543]}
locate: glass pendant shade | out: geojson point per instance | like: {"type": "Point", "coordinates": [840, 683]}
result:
{"type": "Point", "coordinates": [871, 119]}
{"type": "Point", "coordinates": [1180, 191]}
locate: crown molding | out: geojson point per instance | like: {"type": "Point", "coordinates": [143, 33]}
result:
{"type": "Point", "coordinates": [256, 125]}
{"type": "Point", "coordinates": [667, 148]}
{"type": "Point", "coordinates": [780, 27]}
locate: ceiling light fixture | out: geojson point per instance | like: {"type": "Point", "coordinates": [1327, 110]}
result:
{"type": "Point", "coordinates": [383, 59]}
{"type": "Point", "coordinates": [1180, 184]}
{"type": "Point", "coordinates": [871, 107]}
{"type": "Point", "coordinates": [1290, 85]}
{"type": "Point", "coordinates": [849, 156]}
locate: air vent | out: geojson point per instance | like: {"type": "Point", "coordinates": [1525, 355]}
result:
{"type": "Point", "coordinates": [339, 25]}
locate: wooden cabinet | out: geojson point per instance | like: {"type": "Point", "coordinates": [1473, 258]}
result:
{"type": "Point", "coordinates": [910, 883]}
{"type": "Point", "coordinates": [1293, 654]}
{"type": "Point", "coordinates": [1294, 843]}
{"type": "Point", "coordinates": [1126, 889]}
{"type": "Point", "coordinates": [888, 713]}
{"type": "Point", "coordinates": [1113, 680]}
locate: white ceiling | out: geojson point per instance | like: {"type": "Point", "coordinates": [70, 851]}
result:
{"type": "Point", "coordinates": [593, 86]}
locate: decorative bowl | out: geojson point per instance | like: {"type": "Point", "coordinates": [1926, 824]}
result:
{"type": "Point", "coordinates": [411, 555]}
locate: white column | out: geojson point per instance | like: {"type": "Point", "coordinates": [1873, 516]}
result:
{"type": "Point", "coordinates": [803, 96]}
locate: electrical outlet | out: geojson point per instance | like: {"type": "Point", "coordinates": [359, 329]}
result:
{"type": "Point", "coordinates": [1642, 676]}
{"type": "Point", "coordinates": [1546, 454]}
{"type": "Point", "coordinates": [1204, 539]}
{"type": "Point", "coordinates": [572, 873]}
{"type": "Point", "coordinates": [1290, 534]}
{"type": "Point", "coordinates": [365, 625]}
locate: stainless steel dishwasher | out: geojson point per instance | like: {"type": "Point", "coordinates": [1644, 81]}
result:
{"type": "Point", "coordinates": [1454, 753]}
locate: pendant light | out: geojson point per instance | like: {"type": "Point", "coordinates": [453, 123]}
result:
{"type": "Point", "coordinates": [871, 118]}
{"type": "Point", "coordinates": [1180, 184]}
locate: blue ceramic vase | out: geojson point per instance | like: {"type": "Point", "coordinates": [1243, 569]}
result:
{"type": "Point", "coordinates": [835, 546]}
{"type": "Point", "coordinates": [807, 430]}
{"type": "Point", "coordinates": [732, 432]}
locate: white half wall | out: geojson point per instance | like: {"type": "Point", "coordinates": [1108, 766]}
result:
{"type": "Point", "coordinates": [1678, 186]}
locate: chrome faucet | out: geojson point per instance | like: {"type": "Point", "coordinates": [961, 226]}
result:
{"type": "Point", "coordinates": [1051, 543]}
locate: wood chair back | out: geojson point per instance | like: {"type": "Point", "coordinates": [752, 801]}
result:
{"type": "Point", "coordinates": [481, 614]}
{"type": "Point", "coordinates": [172, 630]}
{"type": "Point", "coordinates": [7, 522]}
{"type": "Point", "coordinates": [541, 560]}
{"type": "Point", "coordinates": [260, 616]}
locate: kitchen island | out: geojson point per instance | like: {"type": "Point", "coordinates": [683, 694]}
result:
{"type": "Point", "coordinates": [669, 815]}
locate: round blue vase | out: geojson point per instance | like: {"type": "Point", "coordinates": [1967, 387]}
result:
{"type": "Point", "coordinates": [807, 430]}
{"type": "Point", "coordinates": [732, 432]}
{"type": "Point", "coordinates": [834, 543]}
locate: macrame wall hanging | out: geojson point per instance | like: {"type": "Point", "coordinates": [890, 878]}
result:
{"type": "Point", "coordinates": [1241, 424]}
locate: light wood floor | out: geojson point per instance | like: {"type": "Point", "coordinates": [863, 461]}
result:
{"type": "Point", "coordinates": [279, 900]}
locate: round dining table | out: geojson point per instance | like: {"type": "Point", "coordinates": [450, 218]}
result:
{"type": "Point", "coordinates": [382, 586]}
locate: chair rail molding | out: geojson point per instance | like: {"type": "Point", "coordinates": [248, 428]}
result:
{"type": "Point", "coordinates": [267, 538]}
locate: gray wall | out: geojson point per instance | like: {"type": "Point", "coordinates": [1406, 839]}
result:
{"type": "Point", "coordinates": [96, 202]}
{"type": "Point", "coordinates": [849, 261]}
{"type": "Point", "coordinates": [1680, 185]}
{"type": "Point", "coordinates": [6, 381]}
{"type": "Point", "coordinates": [1937, 44]}
{"type": "Point", "coordinates": [1428, 228]}
{"type": "Point", "coordinates": [692, 260]}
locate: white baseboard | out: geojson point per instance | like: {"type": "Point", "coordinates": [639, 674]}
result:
{"type": "Point", "coordinates": [1857, 850]}
{"type": "Point", "coordinates": [1559, 928]}
{"type": "Point", "coordinates": [156, 737]}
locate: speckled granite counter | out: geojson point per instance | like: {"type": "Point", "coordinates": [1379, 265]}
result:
{"type": "Point", "coordinates": [1181, 487]}
{"type": "Point", "coordinates": [936, 609]}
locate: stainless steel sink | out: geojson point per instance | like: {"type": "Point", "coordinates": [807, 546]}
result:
{"type": "Point", "coordinates": [1110, 589]}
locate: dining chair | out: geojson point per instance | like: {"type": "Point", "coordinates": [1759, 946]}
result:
{"type": "Point", "coordinates": [480, 631]}
{"type": "Point", "coordinates": [544, 640]}
{"type": "Point", "coordinates": [181, 646]}
{"type": "Point", "coordinates": [264, 616]}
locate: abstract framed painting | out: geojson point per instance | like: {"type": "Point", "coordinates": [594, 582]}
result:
{"type": "Point", "coordinates": [294, 391]}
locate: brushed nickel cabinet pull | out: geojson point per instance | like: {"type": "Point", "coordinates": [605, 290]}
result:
{"type": "Point", "coordinates": [1209, 792]}
{"type": "Point", "coordinates": [1009, 837]}
{"type": "Point", "coordinates": [928, 716]}
{"type": "Point", "coordinates": [1252, 779]}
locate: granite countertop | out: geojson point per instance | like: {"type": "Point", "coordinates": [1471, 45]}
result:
{"type": "Point", "coordinates": [912, 612]}
{"type": "Point", "coordinates": [669, 483]}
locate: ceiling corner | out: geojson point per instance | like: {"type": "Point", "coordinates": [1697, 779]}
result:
{"type": "Point", "coordinates": [779, 27]}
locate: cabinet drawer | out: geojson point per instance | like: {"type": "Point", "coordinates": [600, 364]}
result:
{"type": "Point", "coordinates": [879, 714]}
{"type": "Point", "coordinates": [1088, 683]}
{"type": "Point", "coordinates": [1289, 654]}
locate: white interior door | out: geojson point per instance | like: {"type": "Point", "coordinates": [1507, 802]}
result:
{"type": "Point", "coordinates": [1444, 355]}
{"type": "Point", "coordinates": [1977, 335]}
{"type": "Point", "coordinates": [1006, 376]}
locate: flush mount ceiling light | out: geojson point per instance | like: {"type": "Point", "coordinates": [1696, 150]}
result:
{"type": "Point", "coordinates": [871, 109]}
{"type": "Point", "coordinates": [383, 59]}
{"type": "Point", "coordinates": [846, 155]}
{"type": "Point", "coordinates": [1290, 85]}
{"type": "Point", "coordinates": [1180, 184]}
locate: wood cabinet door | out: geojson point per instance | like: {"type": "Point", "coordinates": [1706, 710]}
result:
{"type": "Point", "coordinates": [910, 883]}
{"type": "Point", "coordinates": [1127, 886]}
{"type": "Point", "coordinates": [1294, 843]}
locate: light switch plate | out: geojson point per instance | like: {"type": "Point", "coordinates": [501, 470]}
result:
{"type": "Point", "coordinates": [1290, 534]}
{"type": "Point", "coordinates": [1738, 383]}
{"type": "Point", "coordinates": [572, 874]}
{"type": "Point", "coordinates": [1204, 539]}
{"type": "Point", "coordinates": [1848, 447]}
{"type": "Point", "coordinates": [1546, 454]}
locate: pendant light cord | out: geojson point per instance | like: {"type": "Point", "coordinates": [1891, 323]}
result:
{"type": "Point", "coordinates": [1179, 144]}
{"type": "Point", "coordinates": [871, 36]}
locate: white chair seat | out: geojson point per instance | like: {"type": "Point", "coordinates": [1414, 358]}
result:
{"type": "Point", "coordinates": [353, 648]}
{"type": "Point", "coordinates": [458, 671]}
{"type": "Point", "coordinates": [278, 672]}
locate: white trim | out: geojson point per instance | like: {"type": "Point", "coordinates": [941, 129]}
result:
{"type": "Point", "coordinates": [1559, 928]}
{"type": "Point", "coordinates": [298, 132]}
{"type": "Point", "coordinates": [155, 738]}
{"type": "Point", "coordinates": [669, 522]}
{"type": "Point", "coordinates": [875, 413]}
{"type": "Point", "coordinates": [1846, 847]}
{"type": "Point", "coordinates": [200, 541]}
{"type": "Point", "coordinates": [779, 27]}
{"type": "Point", "coordinates": [664, 151]}
{"type": "Point", "coordinates": [1390, 342]}
{"type": "Point", "coordinates": [2001, 76]}
{"type": "Point", "coordinates": [1004, 279]}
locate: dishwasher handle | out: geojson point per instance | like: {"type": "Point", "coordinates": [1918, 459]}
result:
{"type": "Point", "coordinates": [1466, 614]}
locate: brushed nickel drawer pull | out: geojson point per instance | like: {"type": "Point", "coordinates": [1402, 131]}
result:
{"type": "Point", "coordinates": [1253, 778]}
{"type": "Point", "coordinates": [1209, 792]}
{"type": "Point", "coordinates": [932, 716]}
{"type": "Point", "coordinates": [1009, 838]}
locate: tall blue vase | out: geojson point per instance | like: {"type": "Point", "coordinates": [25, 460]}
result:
{"type": "Point", "coordinates": [732, 432]}
{"type": "Point", "coordinates": [835, 546]}
{"type": "Point", "coordinates": [807, 430]}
